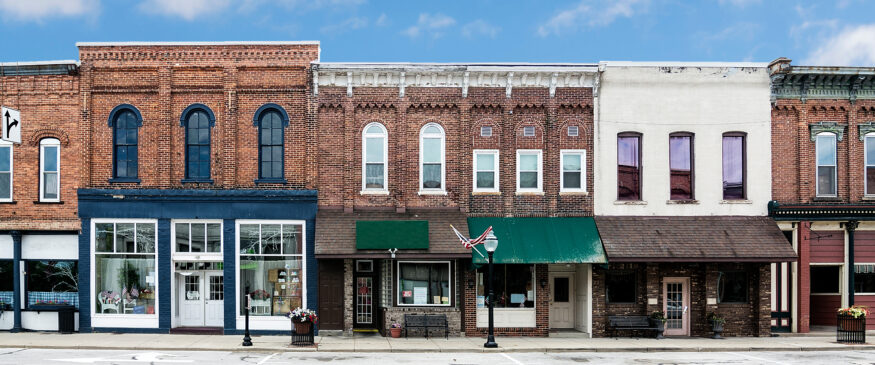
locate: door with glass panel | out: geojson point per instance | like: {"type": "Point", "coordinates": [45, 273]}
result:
{"type": "Point", "coordinates": [561, 300]}
{"type": "Point", "coordinates": [365, 294]}
{"type": "Point", "coordinates": [676, 304]}
{"type": "Point", "coordinates": [191, 303]}
{"type": "Point", "coordinates": [214, 299]}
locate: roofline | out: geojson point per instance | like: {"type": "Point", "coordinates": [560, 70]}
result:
{"type": "Point", "coordinates": [832, 70]}
{"type": "Point", "coordinates": [396, 64]}
{"type": "Point", "coordinates": [456, 67]}
{"type": "Point", "coordinates": [221, 43]}
{"type": "Point", "coordinates": [39, 63]}
{"type": "Point", "coordinates": [681, 64]}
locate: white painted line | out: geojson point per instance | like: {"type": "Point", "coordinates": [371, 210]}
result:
{"type": "Point", "coordinates": [759, 359]}
{"type": "Point", "coordinates": [512, 359]}
{"type": "Point", "coordinates": [264, 360]}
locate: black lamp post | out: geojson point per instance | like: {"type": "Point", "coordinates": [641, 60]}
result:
{"type": "Point", "coordinates": [247, 340]}
{"type": "Point", "coordinates": [491, 243]}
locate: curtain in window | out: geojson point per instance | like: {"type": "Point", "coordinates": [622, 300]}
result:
{"type": "Point", "coordinates": [733, 167]}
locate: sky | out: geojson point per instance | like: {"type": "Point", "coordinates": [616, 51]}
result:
{"type": "Point", "coordinates": [830, 33]}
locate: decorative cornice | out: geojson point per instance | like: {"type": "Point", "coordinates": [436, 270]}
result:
{"type": "Point", "coordinates": [805, 83]}
{"type": "Point", "coordinates": [815, 212]}
{"type": "Point", "coordinates": [830, 127]}
{"type": "Point", "coordinates": [865, 128]}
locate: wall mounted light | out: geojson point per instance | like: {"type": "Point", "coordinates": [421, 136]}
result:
{"type": "Point", "coordinates": [543, 283]}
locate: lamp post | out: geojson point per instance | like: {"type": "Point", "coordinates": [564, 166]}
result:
{"type": "Point", "coordinates": [491, 243]}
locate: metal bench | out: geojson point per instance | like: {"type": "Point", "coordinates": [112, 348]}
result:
{"type": "Point", "coordinates": [426, 321]}
{"type": "Point", "coordinates": [631, 323]}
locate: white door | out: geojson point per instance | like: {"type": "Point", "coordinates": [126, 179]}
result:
{"type": "Point", "coordinates": [191, 300]}
{"type": "Point", "coordinates": [562, 300]}
{"type": "Point", "coordinates": [215, 300]}
{"type": "Point", "coordinates": [676, 304]}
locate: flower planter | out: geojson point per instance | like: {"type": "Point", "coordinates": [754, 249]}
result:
{"type": "Point", "coordinates": [850, 329]}
{"type": "Point", "coordinates": [660, 328]}
{"type": "Point", "coordinates": [717, 327]}
{"type": "Point", "coordinates": [395, 332]}
{"type": "Point", "coordinates": [302, 328]}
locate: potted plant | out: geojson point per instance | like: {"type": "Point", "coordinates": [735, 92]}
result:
{"type": "Point", "coordinates": [851, 323]}
{"type": "Point", "coordinates": [716, 324]}
{"type": "Point", "coordinates": [657, 318]}
{"type": "Point", "coordinates": [395, 330]}
{"type": "Point", "coordinates": [304, 319]}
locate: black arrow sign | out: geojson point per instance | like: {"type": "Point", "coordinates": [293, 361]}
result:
{"type": "Point", "coordinates": [10, 125]}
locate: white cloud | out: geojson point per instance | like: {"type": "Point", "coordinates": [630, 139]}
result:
{"type": "Point", "coordinates": [591, 13]}
{"type": "Point", "coordinates": [383, 20]}
{"type": "Point", "coordinates": [743, 30]}
{"type": "Point", "coordinates": [429, 24]}
{"type": "Point", "coordinates": [37, 10]}
{"type": "Point", "coordinates": [349, 24]}
{"type": "Point", "coordinates": [480, 27]}
{"type": "Point", "coordinates": [185, 9]}
{"type": "Point", "coordinates": [739, 3]}
{"type": "Point", "coordinates": [853, 46]}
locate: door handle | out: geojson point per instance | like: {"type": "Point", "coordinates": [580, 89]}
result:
{"type": "Point", "coordinates": [685, 309]}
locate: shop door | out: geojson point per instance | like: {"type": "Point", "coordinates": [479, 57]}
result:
{"type": "Point", "coordinates": [366, 295]}
{"type": "Point", "coordinates": [781, 291]}
{"type": "Point", "coordinates": [191, 300]}
{"type": "Point", "coordinates": [676, 304]}
{"type": "Point", "coordinates": [330, 294]}
{"type": "Point", "coordinates": [561, 300]}
{"type": "Point", "coordinates": [214, 304]}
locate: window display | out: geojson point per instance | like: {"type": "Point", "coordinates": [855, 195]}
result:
{"type": "Point", "coordinates": [512, 285]}
{"type": "Point", "coordinates": [52, 283]}
{"type": "Point", "coordinates": [271, 268]}
{"type": "Point", "coordinates": [7, 279]}
{"type": "Point", "coordinates": [424, 283]}
{"type": "Point", "coordinates": [125, 269]}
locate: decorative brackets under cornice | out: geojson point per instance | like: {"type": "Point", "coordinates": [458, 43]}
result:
{"type": "Point", "coordinates": [831, 127]}
{"type": "Point", "coordinates": [865, 129]}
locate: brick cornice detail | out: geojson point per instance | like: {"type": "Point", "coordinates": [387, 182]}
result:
{"type": "Point", "coordinates": [42, 133]}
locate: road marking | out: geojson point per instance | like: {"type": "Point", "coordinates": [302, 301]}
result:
{"type": "Point", "coordinates": [757, 358]}
{"type": "Point", "coordinates": [149, 357]}
{"type": "Point", "coordinates": [264, 360]}
{"type": "Point", "coordinates": [512, 359]}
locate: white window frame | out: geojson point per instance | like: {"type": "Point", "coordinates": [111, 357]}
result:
{"type": "Point", "coordinates": [867, 163]}
{"type": "Point", "coordinates": [841, 277]}
{"type": "Point", "coordinates": [385, 136]}
{"type": "Point", "coordinates": [422, 136]}
{"type": "Point", "coordinates": [562, 154]}
{"type": "Point", "coordinates": [280, 323]}
{"type": "Point", "coordinates": [123, 320]}
{"type": "Point", "coordinates": [495, 170]}
{"type": "Point", "coordinates": [48, 142]}
{"type": "Point", "coordinates": [398, 283]}
{"type": "Point", "coordinates": [540, 188]}
{"type": "Point", "coordinates": [5, 144]}
{"type": "Point", "coordinates": [196, 256]}
{"type": "Point", "coordinates": [817, 164]}
{"type": "Point", "coordinates": [854, 272]}
{"type": "Point", "coordinates": [486, 128]}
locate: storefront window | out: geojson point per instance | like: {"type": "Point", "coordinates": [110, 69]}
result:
{"type": "Point", "coordinates": [732, 287]}
{"type": "Point", "coordinates": [825, 279]}
{"type": "Point", "coordinates": [125, 269]}
{"type": "Point", "coordinates": [424, 283]}
{"type": "Point", "coordinates": [271, 268]}
{"type": "Point", "coordinates": [621, 286]}
{"type": "Point", "coordinates": [53, 282]}
{"type": "Point", "coordinates": [513, 286]}
{"type": "Point", "coordinates": [864, 279]}
{"type": "Point", "coordinates": [7, 279]}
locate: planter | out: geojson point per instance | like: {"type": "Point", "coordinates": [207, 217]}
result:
{"type": "Point", "coordinates": [395, 332]}
{"type": "Point", "coordinates": [850, 329]}
{"type": "Point", "coordinates": [302, 328]}
{"type": "Point", "coordinates": [660, 327]}
{"type": "Point", "coordinates": [717, 327]}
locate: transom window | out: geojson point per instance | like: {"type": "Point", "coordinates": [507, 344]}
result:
{"type": "Point", "coordinates": [573, 178]}
{"type": "Point", "coordinates": [125, 131]}
{"type": "Point", "coordinates": [680, 152]}
{"type": "Point", "coordinates": [198, 237]}
{"type": "Point", "coordinates": [424, 283]}
{"type": "Point", "coordinates": [734, 169]}
{"type": "Point", "coordinates": [197, 145]}
{"type": "Point", "coordinates": [431, 157]}
{"type": "Point", "coordinates": [870, 164]}
{"type": "Point", "coordinates": [826, 164]}
{"type": "Point", "coordinates": [374, 156]}
{"type": "Point", "coordinates": [485, 131]}
{"type": "Point", "coordinates": [529, 171]}
{"type": "Point", "coordinates": [485, 170]}
{"type": "Point", "coordinates": [629, 166]}
{"type": "Point", "coordinates": [271, 135]}
{"type": "Point", "coordinates": [5, 171]}
{"type": "Point", "coordinates": [50, 167]}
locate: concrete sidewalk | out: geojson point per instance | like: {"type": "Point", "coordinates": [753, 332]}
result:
{"type": "Point", "coordinates": [167, 342]}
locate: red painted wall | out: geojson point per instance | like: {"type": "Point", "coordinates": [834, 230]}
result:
{"type": "Point", "coordinates": [828, 246]}
{"type": "Point", "coordinates": [823, 309]}
{"type": "Point", "coordinates": [864, 246]}
{"type": "Point", "coordinates": [867, 300]}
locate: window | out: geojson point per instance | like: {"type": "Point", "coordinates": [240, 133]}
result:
{"type": "Point", "coordinates": [486, 170]}
{"type": "Point", "coordinates": [5, 171]}
{"type": "Point", "coordinates": [50, 167]}
{"type": "Point", "coordinates": [573, 178]}
{"type": "Point", "coordinates": [424, 283]}
{"type": "Point", "coordinates": [125, 128]}
{"type": "Point", "coordinates": [198, 237]}
{"type": "Point", "coordinates": [732, 287]}
{"type": "Point", "coordinates": [629, 166]}
{"type": "Point", "coordinates": [197, 144]}
{"type": "Point", "coordinates": [864, 278]}
{"type": "Point", "coordinates": [734, 171]}
{"type": "Point", "coordinates": [125, 268]}
{"type": "Point", "coordinates": [271, 137]}
{"type": "Point", "coordinates": [826, 279]}
{"type": "Point", "coordinates": [485, 131]}
{"type": "Point", "coordinates": [7, 279]}
{"type": "Point", "coordinates": [374, 156]}
{"type": "Point", "coordinates": [826, 164]}
{"type": "Point", "coordinates": [431, 157]}
{"type": "Point", "coordinates": [680, 151]}
{"type": "Point", "coordinates": [870, 165]}
{"type": "Point", "coordinates": [528, 171]}
{"type": "Point", "coordinates": [621, 286]}
{"type": "Point", "coordinates": [513, 285]}
{"type": "Point", "coordinates": [52, 282]}
{"type": "Point", "coordinates": [271, 267]}
{"type": "Point", "coordinates": [529, 131]}
{"type": "Point", "coordinates": [572, 131]}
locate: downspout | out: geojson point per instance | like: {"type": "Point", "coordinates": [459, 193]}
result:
{"type": "Point", "coordinates": [851, 227]}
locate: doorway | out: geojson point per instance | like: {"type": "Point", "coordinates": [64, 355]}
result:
{"type": "Point", "coordinates": [562, 300]}
{"type": "Point", "coordinates": [331, 294]}
{"type": "Point", "coordinates": [366, 295]}
{"type": "Point", "coordinates": [201, 298]}
{"type": "Point", "coordinates": [676, 304]}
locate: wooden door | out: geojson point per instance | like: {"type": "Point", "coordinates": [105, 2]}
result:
{"type": "Point", "coordinates": [330, 294]}
{"type": "Point", "coordinates": [562, 300]}
{"type": "Point", "coordinates": [781, 294]}
{"type": "Point", "coordinates": [676, 304]}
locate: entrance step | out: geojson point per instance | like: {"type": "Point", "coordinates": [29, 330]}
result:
{"type": "Point", "coordinates": [330, 332]}
{"type": "Point", "coordinates": [567, 333]}
{"type": "Point", "coordinates": [197, 331]}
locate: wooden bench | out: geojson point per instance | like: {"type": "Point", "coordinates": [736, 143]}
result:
{"type": "Point", "coordinates": [630, 323]}
{"type": "Point", "coordinates": [426, 321]}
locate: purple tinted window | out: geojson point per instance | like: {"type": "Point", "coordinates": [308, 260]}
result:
{"type": "Point", "coordinates": [628, 168]}
{"type": "Point", "coordinates": [733, 167]}
{"type": "Point", "coordinates": [680, 157]}
{"type": "Point", "coordinates": [870, 164]}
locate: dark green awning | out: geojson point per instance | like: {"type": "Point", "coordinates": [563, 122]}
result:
{"type": "Point", "coordinates": [400, 234]}
{"type": "Point", "coordinates": [560, 240]}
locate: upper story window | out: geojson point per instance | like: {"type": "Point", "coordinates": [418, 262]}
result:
{"type": "Point", "coordinates": [529, 131]}
{"type": "Point", "coordinates": [5, 171]}
{"type": "Point", "coordinates": [485, 131]}
{"type": "Point", "coordinates": [573, 178]}
{"type": "Point", "coordinates": [734, 169]}
{"type": "Point", "coordinates": [486, 170]}
{"type": "Point", "coordinates": [125, 121]}
{"type": "Point", "coordinates": [870, 163]}
{"type": "Point", "coordinates": [629, 166]}
{"type": "Point", "coordinates": [826, 164]}
{"type": "Point", "coordinates": [271, 120]}
{"type": "Point", "coordinates": [374, 156]}
{"type": "Point", "coordinates": [529, 171]}
{"type": "Point", "coordinates": [572, 131]}
{"type": "Point", "coordinates": [197, 120]}
{"type": "Point", "coordinates": [680, 151]}
{"type": "Point", "coordinates": [431, 157]}
{"type": "Point", "coordinates": [50, 168]}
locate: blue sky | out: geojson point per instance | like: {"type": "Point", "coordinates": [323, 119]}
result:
{"type": "Point", "coordinates": [839, 32]}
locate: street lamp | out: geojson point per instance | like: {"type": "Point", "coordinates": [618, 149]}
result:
{"type": "Point", "coordinates": [491, 243]}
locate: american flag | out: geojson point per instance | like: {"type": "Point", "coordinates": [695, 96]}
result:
{"type": "Point", "coordinates": [468, 242]}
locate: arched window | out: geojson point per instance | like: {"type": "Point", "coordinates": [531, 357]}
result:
{"type": "Point", "coordinates": [374, 156]}
{"type": "Point", "coordinates": [197, 120]}
{"type": "Point", "coordinates": [271, 120]}
{"type": "Point", "coordinates": [125, 121]}
{"type": "Point", "coordinates": [50, 170]}
{"type": "Point", "coordinates": [431, 158]}
{"type": "Point", "coordinates": [826, 164]}
{"type": "Point", "coordinates": [869, 141]}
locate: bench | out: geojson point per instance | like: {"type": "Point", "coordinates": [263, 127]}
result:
{"type": "Point", "coordinates": [631, 323]}
{"type": "Point", "coordinates": [426, 321]}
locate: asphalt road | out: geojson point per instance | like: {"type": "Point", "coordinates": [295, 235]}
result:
{"type": "Point", "coordinates": [103, 357]}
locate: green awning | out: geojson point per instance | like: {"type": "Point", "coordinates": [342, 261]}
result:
{"type": "Point", "coordinates": [559, 240]}
{"type": "Point", "coordinates": [384, 235]}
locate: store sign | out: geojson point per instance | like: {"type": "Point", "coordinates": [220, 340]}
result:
{"type": "Point", "coordinates": [10, 122]}
{"type": "Point", "coordinates": [406, 293]}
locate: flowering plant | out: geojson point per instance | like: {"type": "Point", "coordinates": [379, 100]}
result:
{"type": "Point", "coordinates": [714, 317]}
{"type": "Point", "coordinates": [396, 325]}
{"type": "Point", "coordinates": [303, 315]}
{"type": "Point", "coordinates": [260, 294]}
{"type": "Point", "coordinates": [658, 316]}
{"type": "Point", "coordinates": [855, 311]}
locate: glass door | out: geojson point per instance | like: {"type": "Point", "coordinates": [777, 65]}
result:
{"type": "Point", "coordinates": [676, 302]}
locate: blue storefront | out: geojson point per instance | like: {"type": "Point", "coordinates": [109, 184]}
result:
{"type": "Point", "coordinates": [156, 260]}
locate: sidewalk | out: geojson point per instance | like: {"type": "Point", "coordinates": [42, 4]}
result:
{"type": "Point", "coordinates": [166, 342]}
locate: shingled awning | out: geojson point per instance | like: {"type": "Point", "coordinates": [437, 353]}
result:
{"type": "Point", "coordinates": [693, 239]}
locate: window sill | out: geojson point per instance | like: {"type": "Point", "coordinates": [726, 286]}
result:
{"type": "Point", "coordinates": [47, 202]}
{"type": "Point", "coordinates": [196, 181]}
{"type": "Point", "coordinates": [827, 199]}
{"type": "Point", "coordinates": [630, 202]}
{"type": "Point", "coordinates": [485, 193]}
{"type": "Point", "coordinates": [374, 192]}
{"type": "Point", "coordinates": [8, 202]}
{"type": "Point", "coordinates": [734, 304]}
{"type": "Point", "coordinates": [124, 180]}
{"type": "Point", "coordinates": [534, 193]}
{"type": "Point", "coordinates": [682, 202]}
{"type": "Point", "coordinates": [868, 198]}
{"type": "Point", "coordinates": [432, 192]}
{"type": "Point", "coordinates": [736, 201]}
{"type": "Point", "coordinates": [572, 193]}
{"type": "Point", "coordinates": [271, 181]}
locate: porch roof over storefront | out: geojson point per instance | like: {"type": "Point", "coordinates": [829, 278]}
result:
{"type": "Point", "coordinates": [693, 239]}
{"type": "Point", "coordinates": [542, 240]}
